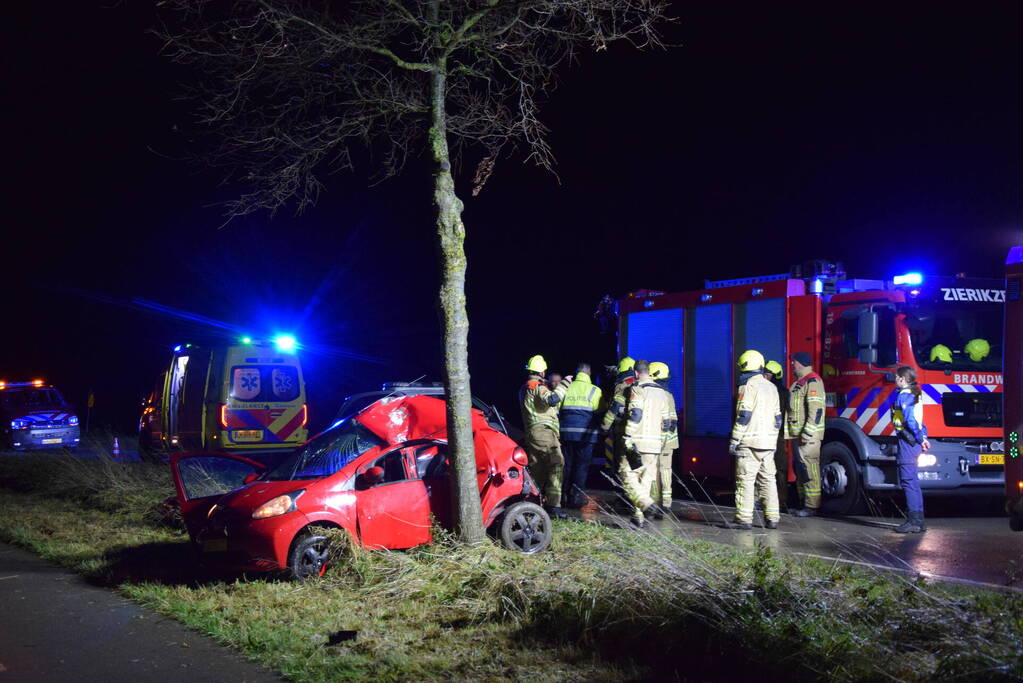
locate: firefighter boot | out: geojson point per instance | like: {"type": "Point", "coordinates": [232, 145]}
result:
{"type": "Point", "coordinates": [914, 523]}
{"type": "Point", "coordinates": [555, 511]}
{"type": "Point", "coordinates": [746, 526]}
{"type": "Point", "coordinates": [805, 512]}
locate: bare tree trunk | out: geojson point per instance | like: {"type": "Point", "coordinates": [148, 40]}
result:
{"type": "Point", "coordinates": [465, 499]}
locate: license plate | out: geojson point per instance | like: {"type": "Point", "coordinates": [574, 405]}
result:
{"type": "Point", "coordinates": [52, 440]}
{"type": "Point", "coordinates": [991, 459]}
{"type": "Point", "coordinates": [247, 435]}
{"type": "Point", "coordinates": [216, 545]}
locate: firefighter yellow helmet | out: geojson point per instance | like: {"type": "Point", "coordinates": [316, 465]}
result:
{"type": "Point", "coordinates": [751, 361]}
{"type": "Point", "coordinates": [625, 364]}
{"type": "Point", "coordinates": [774, 367]}
{"type": "Point", "coordinates": [977, 349]}
{"type": "Point", "coordinates": [659, 370]}
{"type": "Point", "coordinates": [537, 364]}
{"type": "Point", "coordinates": [941, 354]}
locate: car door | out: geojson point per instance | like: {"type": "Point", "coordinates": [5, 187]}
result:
{"type": "Point", "coordinates": [394, 511]}
{"type": "Point", "coordinates": [200, 479]}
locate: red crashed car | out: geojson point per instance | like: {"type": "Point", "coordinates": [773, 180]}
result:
{"type": "Point", "coordinates": [381, 475]}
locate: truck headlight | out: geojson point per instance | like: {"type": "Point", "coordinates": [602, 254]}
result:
{"type": "Point", "coordinates": [926, 460]}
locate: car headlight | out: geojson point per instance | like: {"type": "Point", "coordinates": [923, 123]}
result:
{"type": "Point", "coordinates": [277, 506]}
{"type": "Point", "coordinates": [19, 424]}
{"type": "Point", "coordinates": [73, 420]}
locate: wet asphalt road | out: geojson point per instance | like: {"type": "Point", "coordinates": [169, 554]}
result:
{"type": "Point", "coordinates": [975, 549]}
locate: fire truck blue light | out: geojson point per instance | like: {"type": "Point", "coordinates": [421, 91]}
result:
{"type": "Point", "coordinates": [913, 279]}
{"type": "Point", "coordinates": [818, 286]}
{"type": "Point", "coordinates": [285, 342]}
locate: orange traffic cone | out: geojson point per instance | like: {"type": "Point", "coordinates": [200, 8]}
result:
{"type": "Point", "coordinates": [117, 448]}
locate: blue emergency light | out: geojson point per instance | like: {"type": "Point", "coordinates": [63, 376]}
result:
{"type": "Point", "coordinates": [913, 279]}
{"type": "Point", "coordinates": [1015, 255]}
{"type": "Point", "coordinates": [285, 342]}
{"type": "Point", "coordinates": [246, 340]}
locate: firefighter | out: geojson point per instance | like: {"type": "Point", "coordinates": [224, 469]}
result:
{"type": "Point", "coordinates": [804, 423]}
{"type": "Point", "coordinates": [580, 427]}
{"type": "Point", "coordinates": [660, 373]}
{"type": "Point", "coordinates": [907, 419]}
{"type": "Point", "coordinates": [647, 413]}
{"type": "Point", "coordinates": [540, 420]}
{"type": "Point", "coordinates": [613, 425]}
{"type": "Point", "coordinates": [977, 349]}
{"type": "Point", "coordinates": [754, 442]}
{"type": "Point", "coordinates": [775, 374]}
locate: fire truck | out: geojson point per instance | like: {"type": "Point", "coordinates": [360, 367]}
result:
{"type": "Point", "coordinates": [1013, 404]}
{"type": "Point", "coordinates": [858, 332]}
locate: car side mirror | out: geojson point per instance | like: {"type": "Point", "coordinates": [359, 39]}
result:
{"type": "Point", "coordinates": [249, 478]}
{"type": "Point", "coordinates": [867, 332]}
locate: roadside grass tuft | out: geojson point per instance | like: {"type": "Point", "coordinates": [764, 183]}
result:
{"type": "Point", "coordinates": [602, 604]}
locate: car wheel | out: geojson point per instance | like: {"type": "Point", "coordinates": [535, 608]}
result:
{"type": "Point", "coordinates": [309, 557]}
{"type": "Point", "coordinates": [841, 489]}
{"type": "Point", "coordinates": [525, 527]}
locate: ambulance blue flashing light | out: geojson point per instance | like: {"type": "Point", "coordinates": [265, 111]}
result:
{"type": "Point", "coordinates": [177, 349]}
{"type": "Point", "coordinates": [285, 342]}
{"type": "Point", "coordinates": [912, 279]}
{"type": "Point", "coordinates": [246, 340]}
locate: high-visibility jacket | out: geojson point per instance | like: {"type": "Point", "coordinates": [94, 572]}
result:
{"type": "Point", "coordinates": [908, 417]}
{"type": "Point", "coordinates": [614, 418]}
{"type": "Point", "coordinates": [580, 411]}
{"type": "Point", "coordinates": [805, 417]}
{"type": "Point", "coordinates": [539, 403]}
{"type": "Point", "coordinates": [757, 414]}
{"type": "Point", "coordinates": [669, 439]}
{"type": "Point", "coordinates": [649, 417]}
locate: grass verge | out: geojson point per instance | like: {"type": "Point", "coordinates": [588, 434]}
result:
{"type": "Point", "coordinates": [602, 604]}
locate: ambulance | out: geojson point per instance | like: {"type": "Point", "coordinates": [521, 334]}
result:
{"type": "Point", "coordinates": [858, 332]}
{"type": "Point", "coordinates": [246, 398]}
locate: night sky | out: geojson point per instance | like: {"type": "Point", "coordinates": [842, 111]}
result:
{"type": "Point", "coordinates": [885, 137]}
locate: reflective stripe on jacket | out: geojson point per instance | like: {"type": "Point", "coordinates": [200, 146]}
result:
{"type": "Point", "coordinates": [805, 418]}
{"type": "Point", "coordinates": [580, 411]}
{"type": "Point", "coordinates": [908, 417]}
{"type": "Point", "coordinates": [539, 404]}
{"type": "Point", "coordinates": [614, 417]}
{"type": "Point", "coordinates": [757, 414]}
{"type": "Point", "coordinates": [648, 414]}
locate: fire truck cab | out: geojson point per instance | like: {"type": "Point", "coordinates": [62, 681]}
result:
{"type": "Point", "coordinates": [858, 332]}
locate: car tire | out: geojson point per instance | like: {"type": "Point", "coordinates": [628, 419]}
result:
{"type": "Point", "coordinates": [841, 487]}
{"type": "Point", "coordinates": [309, 557]}
{"type": "Point", "coordinates": [525, 528]}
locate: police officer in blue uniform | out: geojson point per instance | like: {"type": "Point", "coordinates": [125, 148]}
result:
{"type": "Point", "coordinates": [907, 419]}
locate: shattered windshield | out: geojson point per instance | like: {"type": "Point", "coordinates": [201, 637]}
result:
{"type": "Point", "coordinates": [944, 336]}
{"type": "Point", "coordinates": [327, 453]}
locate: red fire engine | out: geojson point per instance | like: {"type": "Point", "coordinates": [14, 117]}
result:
{"type": "Point", "coordinates": [1013, 407]}
{"type": "Point", "coordinates": [858, 332]}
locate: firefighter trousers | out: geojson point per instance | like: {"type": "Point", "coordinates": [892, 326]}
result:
{"type": "Point", "coordinates": [808, 473]}
{"type": "Point", "coordinates": [637, 482]}
{"type": "Point", "coordinates": [755, 480]}
{"type": "Point", "coordinates": [662, 487]}
{"type": "Point", "coordinates": [781, 466]}
{"type": "Point", "coordinates": [546, 463]}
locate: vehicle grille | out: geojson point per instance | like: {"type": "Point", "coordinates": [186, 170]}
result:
{"type": "Point", "coordinates": [972, 409]}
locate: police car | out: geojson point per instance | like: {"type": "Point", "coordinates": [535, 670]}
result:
{"type": "Point", "coordinates": [35, 415]}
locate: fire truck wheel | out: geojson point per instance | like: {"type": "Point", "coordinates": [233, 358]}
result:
{"type": "Point", "coordinates": [525, 527]}
{"type": "Point", "coordinates": [840, 480]}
